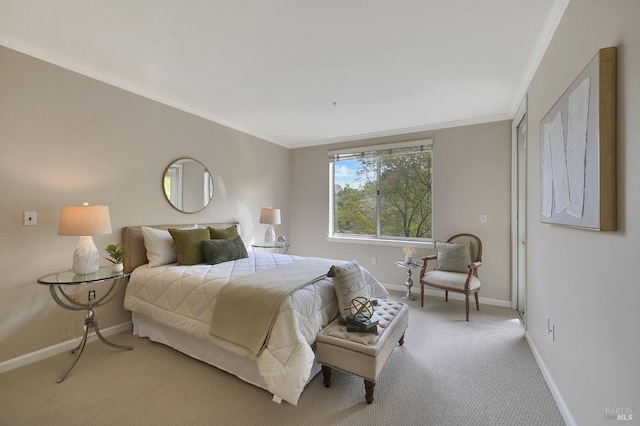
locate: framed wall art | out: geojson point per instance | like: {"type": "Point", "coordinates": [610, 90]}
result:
{"type": "Point", "coordinates": [578, 150]}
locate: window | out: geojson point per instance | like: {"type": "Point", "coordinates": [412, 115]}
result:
{"type": "Point", "coordinates": [173, 185]}
{"type": "Point", "coordinates": [382, 192]}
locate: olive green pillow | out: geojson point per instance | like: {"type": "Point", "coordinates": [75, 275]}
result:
{"type": "Point", "coordinates": [221, 234]}
{"type": "Point", "coordinates": [453, 257]}
{"type": "Point", "coordinates": [223, 250]}
{"type": "Point", "coordinates": [187, 242]}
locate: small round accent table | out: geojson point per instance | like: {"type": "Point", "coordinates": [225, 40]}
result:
{"type": "Point", "coordinates": [58, 282]}
{"type": "Point", "coordinates": [409, 281]}
{"type": "Point", "coordinates": [277, 246]}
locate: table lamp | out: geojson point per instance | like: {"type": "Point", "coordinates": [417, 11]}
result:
{"type": "Point", "coordinates": [271, 217]}
{"type": "Point", "coordinates": [85, 221]}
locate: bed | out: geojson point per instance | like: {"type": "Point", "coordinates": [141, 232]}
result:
{"type": "Point", "coordinates": [175, 304]}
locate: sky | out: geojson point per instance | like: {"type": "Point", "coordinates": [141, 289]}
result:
{"type": "Point", "coordinates": [346, 172]}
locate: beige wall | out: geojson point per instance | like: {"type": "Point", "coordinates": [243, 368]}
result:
{"type": "Point", "coordinates": [587, 282]}
{"type": "Point", "coordinates": [66, 139]}
{"type": "Point", "coordinates": [472, 172]}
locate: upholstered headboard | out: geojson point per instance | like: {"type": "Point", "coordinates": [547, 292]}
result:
{"type": "Point", "coordinates": [133, 241]}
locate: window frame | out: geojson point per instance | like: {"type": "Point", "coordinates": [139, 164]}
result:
{"type": "Point", "coordinates": [377, 151]}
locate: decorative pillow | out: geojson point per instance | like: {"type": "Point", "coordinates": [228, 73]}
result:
{"type": "Point", "coordinates": [349, 284]}
{"type": "Point", "coordinates": [223, 250]}
{"type": "Point", "coordinates": [220, 234]}
{"type": "Point", "coordinates": [160, 247]}
{"type": "Point", "coordinates": [187, 244]}
{"type": "Point", "coordinates": [453, 257]}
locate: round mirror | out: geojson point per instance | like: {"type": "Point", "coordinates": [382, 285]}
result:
{"type": "Point", "coordinates": [188, 185]}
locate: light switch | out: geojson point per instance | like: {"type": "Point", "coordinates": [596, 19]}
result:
{"type": "Point", "coordinates": [483, 218]}
{"type": "Point", "coordinates": [29, 218]}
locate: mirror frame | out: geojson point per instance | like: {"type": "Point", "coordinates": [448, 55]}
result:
{"type": "Point", "coordinates": [168, 198]}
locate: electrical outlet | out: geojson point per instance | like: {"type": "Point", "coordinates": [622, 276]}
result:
{"type": "Point", "coordinates": [92, 295]}
{"type": "Point", "coordinates": [374, 260]}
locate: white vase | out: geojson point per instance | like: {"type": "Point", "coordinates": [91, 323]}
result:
{"type": "Point", "coordinates": [117, 267]}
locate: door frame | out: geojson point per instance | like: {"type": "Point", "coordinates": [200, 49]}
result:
{"type": "Point", "coordinates": [518, 252]}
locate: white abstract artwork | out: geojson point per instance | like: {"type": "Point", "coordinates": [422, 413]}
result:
{"type": "Point", "coordinates": [577, 150]}
{"type": "Point", "coordinates": [563, 157]}
{"type": "Point", "coordinates": [577, 146]}
{"type": "Point", "coordinates": [547, 181]}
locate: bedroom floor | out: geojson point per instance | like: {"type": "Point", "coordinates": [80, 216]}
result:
{"type": "Point", "coordinates": [449, 372]}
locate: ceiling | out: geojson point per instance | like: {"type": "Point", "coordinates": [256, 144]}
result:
{"type": "Point", "coordinates": [300, 72]}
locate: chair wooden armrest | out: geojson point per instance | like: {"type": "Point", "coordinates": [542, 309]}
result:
{"type": "Point", "coordinates": [473, 268]}
{"type": "Point", "coordinates": [426, 259]}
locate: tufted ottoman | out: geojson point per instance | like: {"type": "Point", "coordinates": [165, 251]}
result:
{"type": "Point", "coordinates": [362, 354]}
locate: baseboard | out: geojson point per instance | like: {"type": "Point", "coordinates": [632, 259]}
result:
{"type": "Point", "coordinates": [452, 295]}
{"type": "Point", "coordinates": [41, 354]}
{"type": "Point", "coordinates": [562, 406]}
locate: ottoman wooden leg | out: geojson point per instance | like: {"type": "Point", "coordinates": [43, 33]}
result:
{"type": "Point", "coordinates": [326, 374]}
{"type": "Point", "coordinates": [368, 387]}
{"type": "Point", "coordinates": [401, 341]}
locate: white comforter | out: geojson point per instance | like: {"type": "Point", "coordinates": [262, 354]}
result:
{"type": "Point", "coordinates": [183, 297]}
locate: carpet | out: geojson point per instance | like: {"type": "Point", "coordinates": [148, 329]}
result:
{"type": "Point", "coordinates": [449, 372]}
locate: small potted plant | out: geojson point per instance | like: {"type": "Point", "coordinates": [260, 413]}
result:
{"type": "Point", "coordinates": [116, 256]}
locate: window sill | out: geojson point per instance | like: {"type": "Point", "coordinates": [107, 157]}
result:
{"type": "Point", "coordinates": [382, 242]}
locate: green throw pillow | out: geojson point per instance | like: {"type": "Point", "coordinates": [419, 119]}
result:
{"type": "Point", "coordinates": [220, 234]}
{"type": "Point", "coordinates": [187, 242]}
{"type": "Point", "coordinates": [223, 250]}
{"type": "Point", "coordinates": [454, 257]}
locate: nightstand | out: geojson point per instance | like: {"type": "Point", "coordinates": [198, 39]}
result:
{"type": "Point", "coordinates": [59, 283]}
{"type": "Point", "coordinates": [275, 246]}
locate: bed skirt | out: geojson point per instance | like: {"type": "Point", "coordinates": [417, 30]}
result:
{"type": "Point", "coordinates": [203, 350]}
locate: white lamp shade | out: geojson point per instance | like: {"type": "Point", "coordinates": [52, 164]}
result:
{"type": "Point", "coordinates": [84, 220]}
{"type": "Point", "coordinates": [270, 216]}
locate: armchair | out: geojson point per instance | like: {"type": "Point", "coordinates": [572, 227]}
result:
{"type": "Point", "coordinates": [458, 261]}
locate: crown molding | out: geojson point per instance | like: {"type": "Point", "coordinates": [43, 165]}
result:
{"type": "Point", "coordinates": [404, 131]}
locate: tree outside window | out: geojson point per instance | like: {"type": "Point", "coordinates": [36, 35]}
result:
{"type": "Point", "coordinates": [385, 194]}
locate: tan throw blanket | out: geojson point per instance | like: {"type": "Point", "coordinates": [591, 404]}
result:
{"type": "Point", "coordinates": [247, 306]}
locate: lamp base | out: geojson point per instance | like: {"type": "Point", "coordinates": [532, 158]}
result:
{"type": "Point", "coordinates": [85, 257]}
{"type": "Point", "coordinates": [270, 235]}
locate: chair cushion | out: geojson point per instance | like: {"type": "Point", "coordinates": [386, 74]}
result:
{"type": "Point", "coordinates": [453, 257]}
{"type": "Point", "coordinates": [454, 280]}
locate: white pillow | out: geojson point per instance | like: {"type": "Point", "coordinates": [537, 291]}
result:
{"type": "Point", "coordinates": [349, 284]}
{"type": "Point", "coordinates": [160, 246]}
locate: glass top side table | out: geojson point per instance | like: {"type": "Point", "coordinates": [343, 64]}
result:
{"type": "Point", "coordinates": [409, 282]}
{"type": "Point", "coordinates": [58, 282]}
{"type": "Point", "coordinates": [284, 247]}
